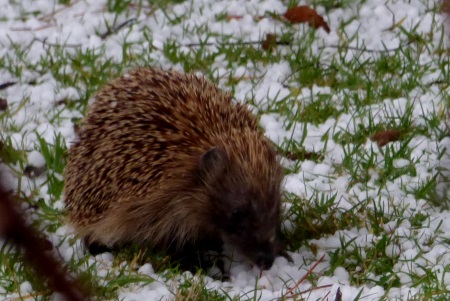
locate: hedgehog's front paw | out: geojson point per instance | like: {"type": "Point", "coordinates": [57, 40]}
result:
{"type": "Point", "coordinates": [285, 254]}
{"type": "Point", "coordinates": [95, 248]}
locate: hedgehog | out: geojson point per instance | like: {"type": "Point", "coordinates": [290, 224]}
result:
{"type": "Point", "coordinates": [169, 162]}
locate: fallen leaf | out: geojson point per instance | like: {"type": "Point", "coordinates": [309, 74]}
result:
{"type": "Point", "coordinates": [384, 137]}
{"type": "Point", "coordinates": [338, 295]}
{"type": "Point", "coordinates": [302, 155]}
{"type": "Point", "coordinates": [269, 42]}
{"type": "Point", "coordinates": [6, 85]}
{"type": "Point", "coordinates": [301, 14]}
{"type": "Point", "coordinates": [446, 10]}
{"type": "Point", "coordinates": [63, 101]}
{"type": "Point", "coordinates": [32, 172]}
{"type": "Point", "coordinates": [234, 17]}
{"type": "Point", "coordinates": [3, 104]}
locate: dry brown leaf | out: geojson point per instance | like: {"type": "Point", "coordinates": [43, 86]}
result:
{"type": "Point", "coordinates": [3, 104]}
{"type": "Point", "coordinates": [269, 42]}
{"type": "Point", "coordinates": [32, 172]}
{"type": "Point", "coordinates": [338, 295]}
{"type": "Point", "coordinates": [445, 7]}
{"type": "Point", "coordinates": [234, 17]}
{"type": "Point", "coordinates": [302, 155]}
{"type": "Point", "coordinates": [301, 14]}
{"type": "Point", "coordinates": [6, 85]}
{"type": "Point", "coordinates": [384, 137]}
{"type": "Point", "coordinates": [63, 101]}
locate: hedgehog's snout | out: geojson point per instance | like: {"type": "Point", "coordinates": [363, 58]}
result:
{"type": "Point", "coordinates": [264, 260]}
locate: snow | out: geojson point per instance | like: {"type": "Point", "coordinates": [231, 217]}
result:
{"type": "Point", "coordinates": [26, 288]}
{"type": "Point", "coordinates": [77, 25]}
{"type": "Point", "coordinates": [36, 159]}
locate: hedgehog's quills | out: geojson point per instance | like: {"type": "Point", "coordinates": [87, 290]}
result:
{"type": "Point", "coordinates": [169, 162]}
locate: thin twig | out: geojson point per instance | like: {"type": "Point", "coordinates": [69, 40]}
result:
{"type": "Point", "coordinates": [364, 49]}
{"type": "Point", "coordinates": [94, 12]}
{"type": "Point", "coordinates": [306, 275]}
{"type": "Point", "coordinates": [393, 19]}
{"type": "Point", "coordinates": [32, 28]}
{"type": "Point", "coordinates": [7, 85]}
{"type": "Point", "coordinates": [285, 43]}
{"type": "Point", "coordinates": [309, 290]}
{"type": "Point", "coordinates": [231, 43]}
{"type": "Point", "coordinates": [35, 249]}
{"type": "Point", "coordinates": [325, 297]}
{"type": "Point", "coordinates": [53, 13]}
{"type": "Point", "coordinates": [44, 42]}
{"type": "Point", "coordinates": [437, 82]}
{"type": "Point", "coordinates": [116, 29]}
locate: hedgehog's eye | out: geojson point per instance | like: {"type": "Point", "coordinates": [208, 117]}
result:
{"type": "Point", "coordinates": [238, 214]}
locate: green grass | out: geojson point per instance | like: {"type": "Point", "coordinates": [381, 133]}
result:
{"type": "Point", "coordinates": [357, 90]}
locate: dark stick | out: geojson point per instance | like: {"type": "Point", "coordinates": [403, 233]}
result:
{"type": "Point", "coordinates": [35, 249]}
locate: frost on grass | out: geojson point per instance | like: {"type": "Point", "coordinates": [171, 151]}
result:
{"type": "Point", "coordinates": [377, 214]}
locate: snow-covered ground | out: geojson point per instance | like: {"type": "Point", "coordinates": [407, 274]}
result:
{"type": "Point", "coordinates": [40, 26]}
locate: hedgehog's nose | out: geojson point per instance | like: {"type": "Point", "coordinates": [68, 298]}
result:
{"type": "Point", "coordinates": [264, 261]}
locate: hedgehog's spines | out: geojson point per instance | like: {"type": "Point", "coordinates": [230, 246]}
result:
{"type": "Point", "coordinates": [162, 158]}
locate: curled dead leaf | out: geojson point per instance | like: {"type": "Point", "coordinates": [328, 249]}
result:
{"type": "Point", "coordinates": [269, 42]}
{"type": "Point", "coordinates": [234, 17]}
{"type": "Point", "coordinates": [3, 104]}
{"type": "Point", "coordinates": [6, 85]}
{"type": "Point", "coordinates": [63, 101]}
{"type": "Point", "coordinates": [302, 155]}
{"type": "Point", "coordinates": [384, 137]}
{"type": "Point", "coordinates": [301, 14]}
{"type": "Point", "coordinates": [32, 172]}
{"type": "Point", "coordinates": [445, 7]}
{"type": "Point", "coordinates": [338, 295]}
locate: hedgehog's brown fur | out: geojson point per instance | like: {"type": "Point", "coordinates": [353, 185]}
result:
{"type": "Point", "coordinates": [167, 160]}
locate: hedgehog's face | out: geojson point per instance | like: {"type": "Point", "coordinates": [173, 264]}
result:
{"type": "Point", "coordinates": [248, 218]}
{"type": "Point", "coordinates": [249, 226]}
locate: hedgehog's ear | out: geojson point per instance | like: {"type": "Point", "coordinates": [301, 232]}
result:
{"type": "Point", "coordinates": [213, 163]}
